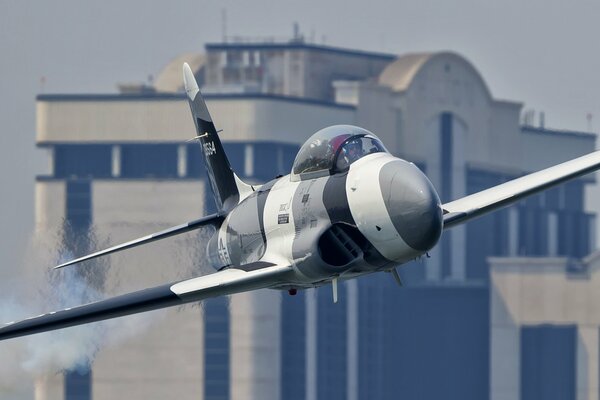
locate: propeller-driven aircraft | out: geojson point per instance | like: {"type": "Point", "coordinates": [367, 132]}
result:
{"type": "Point", "coordinates": [348, 208]}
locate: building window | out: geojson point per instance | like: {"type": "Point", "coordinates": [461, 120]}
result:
{"type": "Point", "coordinates": [216, 349]}
{"type": "Point", "coordinates": [446, 155]}
{"type": "Point", "coordinates": [332, 337]}
{"type": "Point", "coordinates": [373, 323]}
{"type": "Point", "coordinates": [532, 221]}
{"type": "Point", "coordinates": [573, 198]}
{"type": "Point", "coordinates": [548, 362]}
{"type": "Point", "coordinates": [438, 332]}
{"type": "Point", "coordinates": [293, 347]}
{"type": "Point", "coordinates": [78, 203]}
{"type": "Point", "coordinates": [149, 160]}
{"type": "Point", "coordinates": [82, 161]}
{"type": "Point", "coordinates": [446, 152]}
{"type": "Point", "coordinates": [78, 385]}
{"type": "Point", "coordinates": [262, 161]}
{"type": "Point", "coordinates": [574, 233]}
{"type": "Point", "coordinates": [488, 235]}
{"type": "Point", "coordinates": [195, 161]}
{"type": "Point", "coordinates": [231, 75]}
{"type": "Point", "coordinates": [235, 153]}
{"type": "Point", "coordinates": [265, 161]}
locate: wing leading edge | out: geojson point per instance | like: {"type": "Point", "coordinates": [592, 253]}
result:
{"type": "Point", "coordinates": [229, 281]}
{"type": "Point", "coordinates": [462, 210]}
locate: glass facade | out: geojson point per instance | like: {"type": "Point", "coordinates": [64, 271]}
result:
{"type": "Point", "coordinates": [161, 161]}
{"type": "Point", "coordinates": [293, 346]}
{"type": "Point", "coordinates": [216, 349]}
{"type": "Point", "coordinates": [148, 160]}
{"type": "Point", "coordinates": [425, 342]}
{"type": "Point", "coordinates": [440, 343]}
{"type": "Point", "coordinates": [376, 318]}
{"type": "Point", "coordinates": [446, 140]}
{"type": "Point", "coordinates": [78, 213]}
{"type": "Point", "coordinates": [272, 159]}
{"type": "Point", "coordinates": [82, 160]}
{"type": "Point", "coordinates": [78, 220]}
{"type": "Point", "coordinates": [490, 235]}
{"type": "Point", "coordinates": [548, 362]}
{"type": "Point", "coordinates": [78, 385]}
{"type": "Point", "coordinates": [332, 342]}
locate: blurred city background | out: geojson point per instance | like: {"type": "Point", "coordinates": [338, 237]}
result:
{"type": "Point", "coordinates": [94, 125]}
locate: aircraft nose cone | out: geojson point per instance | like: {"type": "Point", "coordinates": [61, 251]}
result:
{"type": "Point", "coordinates": [412, 204]}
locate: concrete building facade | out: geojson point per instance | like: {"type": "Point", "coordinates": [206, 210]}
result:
{"type": "Point", "coordinates": [120, 166]}
{"type": "Point", "coordinates": [544, 328]}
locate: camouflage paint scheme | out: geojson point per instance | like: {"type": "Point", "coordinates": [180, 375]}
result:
{"type": "Point", "coordinates": [329, 226]}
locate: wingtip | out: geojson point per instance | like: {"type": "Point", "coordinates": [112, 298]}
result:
{"type": "Point", "coordinates": [60, 266]}
{"type": "Point", "coordinates": [189, 82]}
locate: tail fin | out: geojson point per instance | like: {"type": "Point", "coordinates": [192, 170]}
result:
{"type": "Point", "coordinates": [228, 189]}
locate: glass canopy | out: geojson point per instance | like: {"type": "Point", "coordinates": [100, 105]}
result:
{"type": "Point", "coordinates": [333, 149]}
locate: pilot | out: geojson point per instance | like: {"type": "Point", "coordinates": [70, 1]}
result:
{"type": "Point", "coordinates": [350, 152]}
{"type": "Point", "coordinates": [353, 150]}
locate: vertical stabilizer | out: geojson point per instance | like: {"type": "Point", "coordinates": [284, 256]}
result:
{"type": "Point", "coordinates": [227, 187]}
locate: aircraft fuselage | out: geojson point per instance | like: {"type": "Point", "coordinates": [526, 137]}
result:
{"type": "Point", "coordinates": [380, 213]}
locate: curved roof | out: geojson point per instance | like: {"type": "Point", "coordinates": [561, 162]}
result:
{"type": "Point", "coordinates": [169, 79]}
{"type": "Point", "coordinates": [400, 74]}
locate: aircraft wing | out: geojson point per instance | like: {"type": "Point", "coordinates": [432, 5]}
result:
{"type": "Point", "coordinates": [214, 219]}
{"type": "Point", "coordinates": [462, 210]}
{"type": "Point", "coordinates": [256, 275]}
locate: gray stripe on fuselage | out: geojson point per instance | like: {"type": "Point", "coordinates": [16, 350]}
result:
{"type": "Point", "coordinates": [261, 196]}
{"type": "Point", "coordinates": [246, 239]}
{"type": "Point", "coordinates": [336, 203]}
{"type": "Point", "coordinates": [336, 200]}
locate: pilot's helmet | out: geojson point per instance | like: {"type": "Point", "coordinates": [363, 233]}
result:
{"type": "Point", "coordinates": [353, 149]}
{"type": "Point", "coordinates": [336, 142]}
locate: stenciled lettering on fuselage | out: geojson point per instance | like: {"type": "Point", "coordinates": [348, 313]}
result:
{"type": "Point", "coordinates": [284, 219]}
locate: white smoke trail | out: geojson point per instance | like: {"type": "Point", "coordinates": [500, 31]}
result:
{"type": "Point", "coordinates": [36, 290]}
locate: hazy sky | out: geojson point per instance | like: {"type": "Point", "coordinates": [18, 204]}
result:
{"type": "Point", "coordinates": [543, 53]}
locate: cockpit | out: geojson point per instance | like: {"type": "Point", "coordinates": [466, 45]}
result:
{"type": "Point", "coordinates": [334, 149]}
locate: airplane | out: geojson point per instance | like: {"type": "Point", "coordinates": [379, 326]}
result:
{"type": "Point", "coordinates": [348, 208]}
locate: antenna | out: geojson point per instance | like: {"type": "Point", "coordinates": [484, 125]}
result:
{"type": "Point", "coordinates": [589, 117]}
{"type": "Point", "coordinates": [528, 117]}
{"type": "Point", "coordinates": [298, 38]}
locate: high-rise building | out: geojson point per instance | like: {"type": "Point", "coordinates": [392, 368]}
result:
{"type": "Point", "coordinates": [120, 165]}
